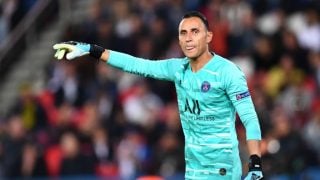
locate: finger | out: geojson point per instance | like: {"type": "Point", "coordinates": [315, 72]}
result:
{"type": "Point", "coordinates": [69, 47]}
{"type": "Point", "coordinates": [59, 54]}
{"type": "Point", "coordinates": [56, 54]}
{"type": "Point", "coordinates": [255, 177]}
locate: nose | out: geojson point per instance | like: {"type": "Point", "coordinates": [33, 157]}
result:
{"type": "Point", "coordinates": [189, 37]}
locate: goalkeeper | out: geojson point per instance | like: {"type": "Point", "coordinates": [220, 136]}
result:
{"type": "Point", "coordinates": [210, 90]}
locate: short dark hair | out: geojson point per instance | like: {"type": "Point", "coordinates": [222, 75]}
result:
{"type": "Point", "coordinates": [198, 15]}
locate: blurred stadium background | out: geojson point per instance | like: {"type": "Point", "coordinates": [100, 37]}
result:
{"type": "Point", "coordinates": [84, 120]}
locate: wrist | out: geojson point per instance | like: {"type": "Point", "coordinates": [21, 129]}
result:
{"type": "Point", "coordinates": [254, 163]}
{"type": "Point", "coordinates": [96, 51]}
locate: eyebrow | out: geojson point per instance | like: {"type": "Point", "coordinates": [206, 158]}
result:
{"type": "Point", "coordinates": [192, 30]}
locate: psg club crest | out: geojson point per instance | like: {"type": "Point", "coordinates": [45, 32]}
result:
{"type": "Point", "coordinates": [205, 86]}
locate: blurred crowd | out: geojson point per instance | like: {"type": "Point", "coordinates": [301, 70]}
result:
{"type": "Point", "coordinates": [94, 120]}
{"type": "Point", "coordinates": [11, 13]}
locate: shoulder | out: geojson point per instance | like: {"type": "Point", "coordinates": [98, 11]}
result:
{"type": "Point", "coordinates": [182, 60]}
{"type": "Point", "coordinates": [225, 65]}
{"type": "Point", "coordinates": [178, 63]}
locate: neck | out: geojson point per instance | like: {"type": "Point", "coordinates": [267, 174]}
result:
{"type": "Point", "coordinates": [199, 62]}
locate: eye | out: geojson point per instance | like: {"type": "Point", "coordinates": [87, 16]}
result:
{"type": "Point", "coordinates": [183, 33]}
{"type": "Point", "coordinates": [195, 32]}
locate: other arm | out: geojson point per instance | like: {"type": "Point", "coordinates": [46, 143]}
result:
{"type": "Point", "coordinates": [237, 90]}
{"type": "Point", "coordinates": [254, 147]}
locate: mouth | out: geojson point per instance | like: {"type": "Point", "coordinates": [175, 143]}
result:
{"type": "Point", "coordinates": [189, 48]}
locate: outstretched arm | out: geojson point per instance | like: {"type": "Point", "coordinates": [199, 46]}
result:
{"type": "Point", "coordinates": [164, 69]}
{"type": "Point", "coordinates": [105, 55]}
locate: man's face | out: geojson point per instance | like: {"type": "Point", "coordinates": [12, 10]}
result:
{"type": "Point", "coordinates": [193, 37]}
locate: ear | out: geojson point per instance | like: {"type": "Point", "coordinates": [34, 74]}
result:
{"type": "Point", "coordinates": [209, 36]}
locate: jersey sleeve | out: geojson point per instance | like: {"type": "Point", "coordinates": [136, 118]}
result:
{"type": "Point", "coordinates": [158, 69]}
{"type": "Point", "coordinates": [238, 92]}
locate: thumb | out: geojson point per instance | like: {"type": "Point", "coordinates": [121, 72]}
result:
{"type": "Point", "coordinates": [75, 53]}
{"type": "Point", "coordinates": [71, 55]}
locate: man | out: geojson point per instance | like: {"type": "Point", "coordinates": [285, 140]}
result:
{"type": "Point", "coordinates": [210, 91]}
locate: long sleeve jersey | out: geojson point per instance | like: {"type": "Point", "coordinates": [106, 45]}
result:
{"type": "Point", "coordinates": [208, 101]}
